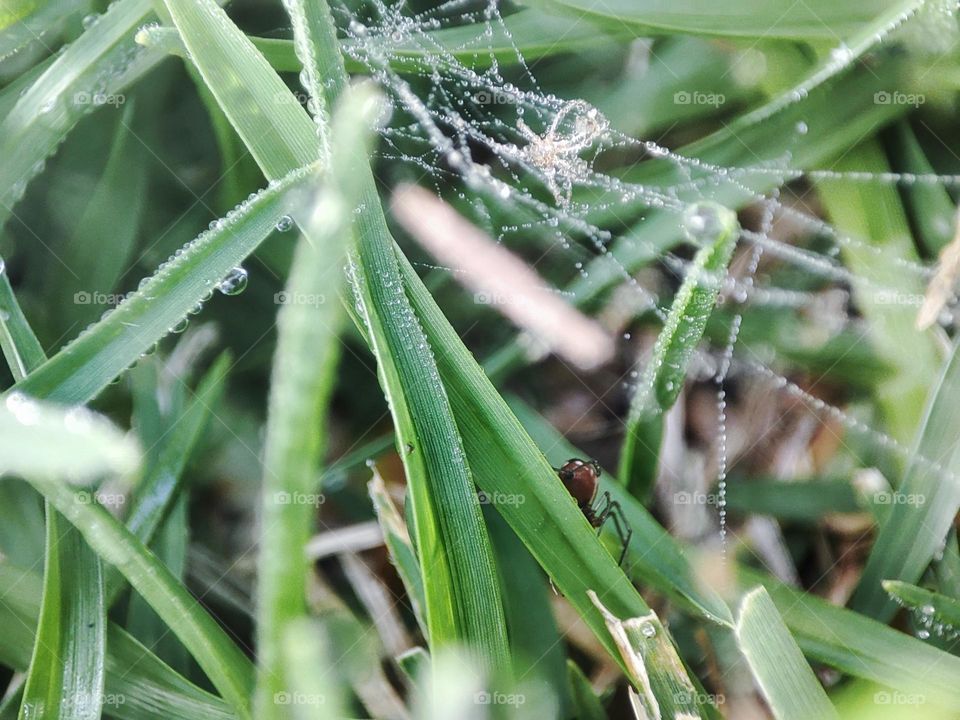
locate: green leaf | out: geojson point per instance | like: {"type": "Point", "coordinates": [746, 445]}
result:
{"type": "Point", "coordinates": [83, 368]}
{"type": "Point", "coordinates": [301, 385]}
{"type": "Point", "coordinates": [874, 216]}
{"type": "Point", "coordinates": [716, 229]}
{"type": "Point", "coordinates": [931, 609]}
{"type": "Point", "coordinates": [791, 689]}
{"type": "Point", "coordinates": [926, 500]}
{"type": "Point", "coordinates": [71, 632]}
{"type": "Point", "coordinates": [87, 446]}
{"type": "Point", "coordinates": [258, 104]}
{"type": "Point", "coordinates": [137, 685]}
{"type": "Point", "coordinates": [586, 704]}
{"type": "Point", "coordinates": [859, 646]}
{"type": "Point", "coordinates": [20, 346]}
{"type": "Point", "coordinates": [810, 20]}
{"type": "Point", "coordinates": [66, 91]}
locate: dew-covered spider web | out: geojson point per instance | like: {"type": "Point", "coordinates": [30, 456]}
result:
{"type": "Point", "coordinates": [536, 170]}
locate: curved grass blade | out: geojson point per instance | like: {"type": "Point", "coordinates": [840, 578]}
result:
{"type": "Point", "coordinates": [791, 689]}
{"type": "Point", "coordinates": [716, 229]}
{"type": "Point", "coordinates": [301, 385]}
{"type": "Point", "coordinates": [462, 601]}
{"type": "Point", "coordinates": [71, 629]}
{"type": "Point", "coordinates": [83, 368]}
{"type": "Point", "coordinates": [912, 532]}
{"type": "Point", "coordinates": [250, 93]}
{"type": "Point", "coordinates": [226, 666]}
{"type": "Point", "coordinates": [931, 609]}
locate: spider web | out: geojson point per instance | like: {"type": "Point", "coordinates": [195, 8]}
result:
{"type": "Point", "coordinates": [524, 165]}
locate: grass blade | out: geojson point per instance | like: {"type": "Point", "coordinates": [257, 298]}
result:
{"type": "Point", "coordinates": [302, 381]}
{"type": "Point", "coordinates": [786, 680]}
{"type": "Point", "coordinates": [83, 368]}
{"type": "Point", "coordinates": [912, 532]}
{"type": "Point", "coordinates": [716, 230]}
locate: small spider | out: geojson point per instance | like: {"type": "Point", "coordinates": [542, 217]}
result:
{"type": "Point", "coordinates": [581, 479]}
{"type": "Point", "coordinates": [556, 153]}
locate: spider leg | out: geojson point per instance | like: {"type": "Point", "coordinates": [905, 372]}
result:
{"type": "Point", "coordinates": [612, 510]}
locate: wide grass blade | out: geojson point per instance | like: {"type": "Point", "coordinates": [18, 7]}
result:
{"type": "Point", "coordinates": [791, 689]}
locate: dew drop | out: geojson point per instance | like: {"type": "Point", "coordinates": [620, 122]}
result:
{"type": "Point", "coordinates": [284, 223]}
{"type": "Point", "coordinates": [234, 283]}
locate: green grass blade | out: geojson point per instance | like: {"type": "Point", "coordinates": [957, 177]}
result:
{"type": "Point", "coordinates": [930, 608]}
{"type": "Point", "coordinates": [222, 661]}
{"type": "Point", "coordinates": [716, 229]}
{"type": "Point", "coordinates": [811, 20]}
{"type": "Point", "coordinates": [506, 464]}
{"type": "Point", "coordinates": [301, 385]}
{"type": "Point", "coordinates": [138, 685]}
{"type": "Point", "coordinates": [88, 447]}
{"type": "Point", "coordinates": [791, 689]}
{"type": "Point", "coordinates": [250, 93]}
{"type": "Point", "coordinates": [397, 539]}
{"type": "Point", "coordinates": [65, 92]}
{"type": "Point", "coordinates": [655, 557]}
{"type": "Point", "coordinates": [912, 532]}
{"type": "Point", "coordinates": [85, 366]}
{"type": "Point", "coordinates": [160, 485]}
{"type": "Point", "coordinates": [20, 346]}
{"type": "Point", "coordinates": [652, 662]}
{"type": "Point", "coordinates": [71, 632]}
{"type": "Point", "coordinates": [868, 211]}
{"type": "Point", "coordinates": [586, 704]}
{"type": "Point", "coordinates": [860, 646]}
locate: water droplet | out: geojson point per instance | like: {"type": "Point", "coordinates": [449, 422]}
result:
{"type": "Point", "coordinates": [234, 283]}
{"type": "Point", "coordinates": [648, 630]}
{"type": "Point", "coordinates": [284, 223]}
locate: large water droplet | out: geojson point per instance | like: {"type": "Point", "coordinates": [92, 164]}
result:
{"type": "Point", "coordinates": [234, 283]}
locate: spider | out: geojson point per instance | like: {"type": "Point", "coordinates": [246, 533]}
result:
{"type": "Point", "coordinates": [581, 479]}
{"type": "Point", "coordinates": [556, 153]}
